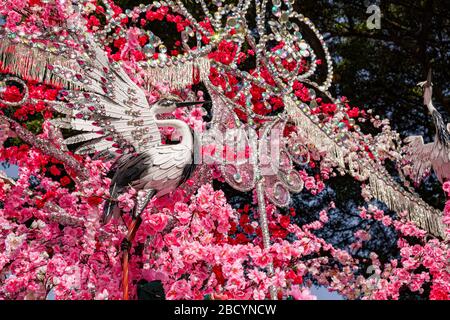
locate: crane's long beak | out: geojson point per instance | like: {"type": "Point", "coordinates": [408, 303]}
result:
{"type": "Point", "coordinates": [191, 103]}
{"type": "Point", "coordinates": [430, 78]}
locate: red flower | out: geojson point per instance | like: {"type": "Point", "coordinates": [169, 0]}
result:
{"type": "Point", "coordinates": [328, 108]}
{"type": "Point", "coordinates": [48, 114]}
{"type": "Point", "coordinates": [116, 56]}
{"type": "Point", "coordinates": [93, 21]}
{"type": "Point", "coordinates": [241, 238]}
{"type": "Point", "coordinates": [301, 91]}
{"type": "Point", "coordinates": [282, 234]}
{"type": "Point", "coordinates": [296, 279]}
{"type": "Point", "coordinates": [94, 201]}
{"type": "Point", "coordinates": [285, 221]}
{"type": "Point", "coordinates": [119, 43]}
{"type": "Point", "coordinates": [248, 229]}
{"type": "Point", "coordinates": [138, 55]}
{"type": "Point", "coordinates": [55, 171]}
{"type": "Point", "coordinates": [265, 74]}
{"type": "Point", "coordinates": [233, 227]}
{"type": "Point", "coordinates": [51, 94]}
{"type": "Point", "coordinates": [12, 94]}
{"type": "Point", "coordinates": [34, 2]}
{"type": "Point", "coordinates": [40, 204]}
{"type": "Point", "coordinates": [219, 274]}
{"type": "Point", "coordinates": [439, 293]}
{"type": "Point", "coordinates": [276, 102]}
{"type": "Point", "coordinates": [292, 212]}
{"type": "Point", "coordinates": [149, 15]}
{"type": "Point", "coordinates": [40, 106]}
{"type": "Point", "coordinates": [353, 113]}
{"type": "Point", "coordinates": [65, 181]}
{"type": "Point", "coordinates": [244, 219]}
{"type": "Point", "coordinates": [142, 40]}
{"type": "Point", "coordinates": [99, 9]}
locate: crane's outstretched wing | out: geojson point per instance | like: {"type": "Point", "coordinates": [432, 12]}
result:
{"type": "Point", "coordinates": [419, 153]}
{"type": "Point", "coordinates": [109, 108]}
{"type": "Point", "coordinates": [104, 103]}
{"type": "Point", "coordinates": [425, 156]}
{"type": "Point", "coordinates": [442, 170]}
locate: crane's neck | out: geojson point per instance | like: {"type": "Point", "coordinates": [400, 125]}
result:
{"type": "Point", "coordinates": [428, 98]}
{"type": "Point", "coordinates": [182, 127]}
{"type": "Point", "coordinates": [431, 107]}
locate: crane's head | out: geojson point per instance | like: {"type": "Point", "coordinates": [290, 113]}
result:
{"type": "Point", "coordinates": [427, 89]}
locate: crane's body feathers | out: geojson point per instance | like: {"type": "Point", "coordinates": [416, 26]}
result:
{"type": "Point", "coordinates": [161, 169]}
{"type": "Point", "coordinates": [165, 168]}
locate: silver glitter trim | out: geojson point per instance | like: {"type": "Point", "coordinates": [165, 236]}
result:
{"type": "Point", "coordinates": [380, 184]}
{"type": "Point", "coordinates": [177, 76]}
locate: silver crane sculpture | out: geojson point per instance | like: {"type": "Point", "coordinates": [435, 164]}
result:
{"type": "Point", "coordinates": [154, 172]}
{"type": "Point", "coordinates": [436, 154]}
{"type": "Point", "coordinates": [157, 170]}
{"type": "Point", "coordinates": [114, 115]}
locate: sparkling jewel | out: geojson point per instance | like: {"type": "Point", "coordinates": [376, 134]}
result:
{"type": "Point", "coordinates": [237, 177]}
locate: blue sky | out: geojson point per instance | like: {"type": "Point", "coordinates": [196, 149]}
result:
{"type": "Point", "coordinates": [322, 293]}
{"type": "Point", "coordinates": [11, 171]}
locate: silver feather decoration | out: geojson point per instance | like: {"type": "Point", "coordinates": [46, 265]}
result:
{"type": "Point", "coordinates": [31, 64]}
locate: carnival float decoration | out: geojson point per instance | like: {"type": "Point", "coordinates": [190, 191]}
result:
{"type": "Point", "coordinates": [104, 101]}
